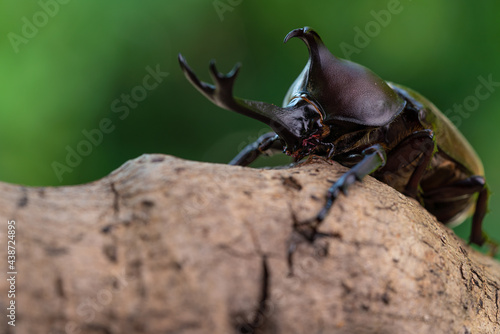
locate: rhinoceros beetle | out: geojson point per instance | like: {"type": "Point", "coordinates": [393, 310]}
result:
{"type": "Point", "coordinates": [343, 111]}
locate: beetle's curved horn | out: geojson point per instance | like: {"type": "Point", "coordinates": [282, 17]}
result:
{"type": "Point", "coordinates": [314, 44]}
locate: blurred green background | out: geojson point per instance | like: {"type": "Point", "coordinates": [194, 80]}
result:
{"type": "Point", "coordinates": [66, 65]}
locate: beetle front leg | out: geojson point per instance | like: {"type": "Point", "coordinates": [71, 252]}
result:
{"type": "Point", "coordinates": [267, 142]}
{"type": "Point", "coordinates": [374, 158]}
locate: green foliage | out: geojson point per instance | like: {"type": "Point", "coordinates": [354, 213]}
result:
{"type": "Point", "coordinates": [82, 56]}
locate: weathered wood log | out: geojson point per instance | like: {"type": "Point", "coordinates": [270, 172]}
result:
{"type": "Point", "coordinates": [164, 245]}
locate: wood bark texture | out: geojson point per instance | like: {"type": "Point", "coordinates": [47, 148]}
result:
{"type": "Point", "coordinates": [165, 245]}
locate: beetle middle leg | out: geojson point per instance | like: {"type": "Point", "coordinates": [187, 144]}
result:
{"type": "Point", "coordinates": [374, 157]}
{"type": "Point", "coordinates": [268, 142]}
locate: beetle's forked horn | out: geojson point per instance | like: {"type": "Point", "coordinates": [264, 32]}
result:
{"type": "Point", "coordinates": [221, 94]}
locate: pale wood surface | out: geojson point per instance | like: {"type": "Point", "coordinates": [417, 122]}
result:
{"type": "Point", "coordinates": [164, 245]}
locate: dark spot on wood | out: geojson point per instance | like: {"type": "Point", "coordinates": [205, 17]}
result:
{"type": "Point", "coordinates": [60, 287]}
{"type": "Point", "coordinates": [158, 159]}
{"type": "Point", "coordinates": [136, 264]}
{"type": "Point", "coordinates": [292, 182]}
{"type": "Point", "coordinates": [177, 265]}
{"type": "Point", "coordinates": [106, 229]}
{"type": "Point", "coordinates": [385, 298]}
{"type": "Point", "coordinates": [23, 201]}
{"type": "Point", "coordinates": [248, 193]}
{"type": "Point", "coordinates": [462, 272]}
{"type": "Point", "coordinates": [464, 251]}
{"type": "Point", "coordinates": [316, 198]}
{"type": "Point", "coordinates": [110, 252]}
{"type": "Point", "coordinates": [322, 250]}
{"type": "Point", "coordinates": [365, 307]}
{"type": "Point", "coordinates": [116, 198]}
{"type": "Point", "coordinates": [56, 251]}
{"type": "Point", "coordinates": [148, 203]}
{"type": "Point", "coordinates": [179, 169]}
{"type": "Point", "coordinates": [347, 286]}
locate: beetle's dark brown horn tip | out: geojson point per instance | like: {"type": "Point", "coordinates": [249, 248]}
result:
{"type": "Point", "coordinates": [235, 70]}
{"type": "Point", "coordinates": [185, 68]}
{"type": "Point", "coordinates": [307, 34]}
{"type": "Point", "coordinates": [294, 33]}
{"type": "Point", "coordinates": [214, 70]}
{"type": "Point", "coordinates": [182, 61]}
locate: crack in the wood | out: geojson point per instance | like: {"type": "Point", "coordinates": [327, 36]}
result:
{"type": "Point", "coordinates": [261, 314]}
{"type": "Point", "coordinates": [116, 198]}
{"type": "Point", "coordinates": [477, 274]}
{"type": "Point", "coordinates": [59, 287]}
{"type": "Point", "coordinates": [497, 304]}
{"type": "Point", "coordinates": [291, 182]}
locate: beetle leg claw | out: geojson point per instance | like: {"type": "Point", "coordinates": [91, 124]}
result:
{"type": "Point", "coordinates": [374, 158]}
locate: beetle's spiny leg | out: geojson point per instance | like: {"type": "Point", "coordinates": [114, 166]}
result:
{"type": "Point", "coordinates": [266, 142]}
{"type": "Point", "coordinates": [303, 232]}
{"type": "Point", "coordinates": [424, 142]}
{"type": "Point", "coordinates": [374, 158]}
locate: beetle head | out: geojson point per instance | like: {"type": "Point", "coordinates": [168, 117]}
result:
{"type": "Point", "coordinates": [329, 94]}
